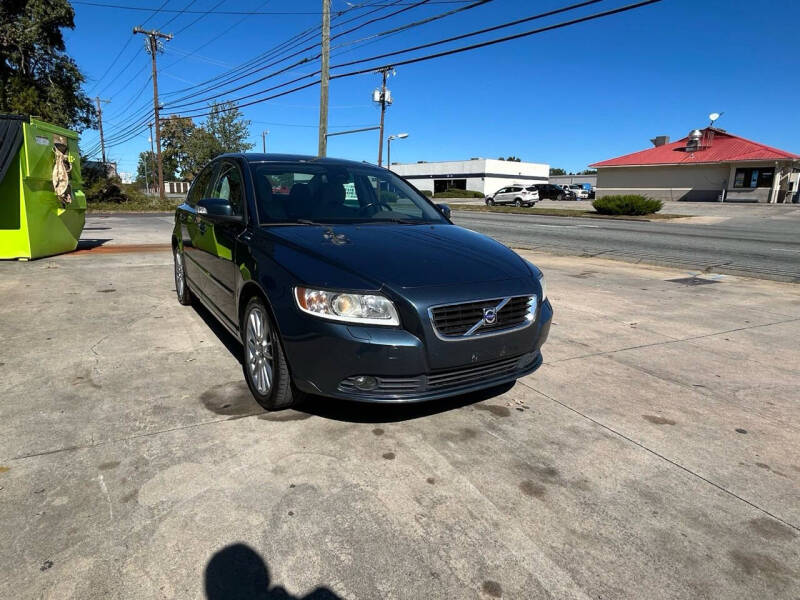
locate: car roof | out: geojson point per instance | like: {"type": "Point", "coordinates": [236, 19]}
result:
{"type": "Point", "coordinates": [259, 157]}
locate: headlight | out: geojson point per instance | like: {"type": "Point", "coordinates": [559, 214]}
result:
{"type": "Point", "coordinates": [544, 287]}
{"type": "Point", "coordinates": [368, 309]}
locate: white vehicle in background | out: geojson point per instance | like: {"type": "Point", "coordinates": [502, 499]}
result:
{"type": "Point", "coordinates": [518, 195]}
{"type": "Point", "coordinates": [581, 193]}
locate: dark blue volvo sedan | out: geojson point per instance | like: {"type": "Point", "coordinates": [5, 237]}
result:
{"type": "Point", "coordinates": [341, 279]}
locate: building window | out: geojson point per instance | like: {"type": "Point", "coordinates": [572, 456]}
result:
{"type": "Point", "coordinates": [753, 178]}
{"type": "Point", "coordinates": [442, 185]}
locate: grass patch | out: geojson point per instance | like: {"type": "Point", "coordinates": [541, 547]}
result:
{"type": "Point", "coordinates": [138, 203]}
{"type": "Point", "coordinates": [560, 212]}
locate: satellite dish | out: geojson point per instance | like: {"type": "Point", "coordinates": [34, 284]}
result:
{"type": "Point", "coordinates": [713, 116]}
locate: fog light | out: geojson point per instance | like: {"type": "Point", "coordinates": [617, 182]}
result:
{"type": "Point", "coordinates": [365, 382]}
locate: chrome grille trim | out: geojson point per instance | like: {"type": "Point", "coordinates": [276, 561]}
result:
{"type": "Point", "coordinates": [513, 313]}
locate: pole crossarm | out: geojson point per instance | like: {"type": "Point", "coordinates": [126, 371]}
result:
{"type": "Point", "coordinates": [152, 38]}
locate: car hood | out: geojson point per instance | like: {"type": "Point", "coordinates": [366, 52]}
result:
{"type": "Point", "coordinates": [405, 256]}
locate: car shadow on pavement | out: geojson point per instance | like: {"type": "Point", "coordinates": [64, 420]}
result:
{"type": "Point", "coordinates": [229, 341]}
{"type": "Point", "coordinates": [237, 572]}
{"type": "Point", "coordinates": [91, 243]}
{"type": "Point", "coordinates": [353, 411]}
{"type": "Point", "coordinates": [366, 412]}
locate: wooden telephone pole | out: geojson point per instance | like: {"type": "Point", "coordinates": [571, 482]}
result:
{"type": "Point", "coordinates": [383, 98]}
{"type": "Point", "coordinates": [324, 76]}
{"type": "Point", "coordinates": [98, 100]}
{"type": "Point", "coordinates": [153, 37]}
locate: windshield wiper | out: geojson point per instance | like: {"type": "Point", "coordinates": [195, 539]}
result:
{"type": "Point", "coordinates": [400, 221]}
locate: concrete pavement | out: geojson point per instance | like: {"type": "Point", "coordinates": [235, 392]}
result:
{"type": "Point", "coordinates": [656, 454]}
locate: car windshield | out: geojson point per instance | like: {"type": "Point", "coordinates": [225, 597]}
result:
{"type": "Point", "coordinates": [311, 193]}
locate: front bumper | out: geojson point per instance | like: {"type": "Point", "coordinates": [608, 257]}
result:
{"type": "Point", "coordinates": [325, 357]}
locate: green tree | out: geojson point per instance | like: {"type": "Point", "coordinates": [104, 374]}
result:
{"type": "Point", "coordinates": [146, 169]}
{"type": "Point", "coordinates": [227, 124]}
{"type": "Point", "coordinates": [588, 172]}
{"type": "Point", "coordinates": [557, 171]}
{"type": "Point", "coordinates": [176, 132]}
{"type": "Point", "coordinates": [37, 77]}
{"type": "Point", "coordinates": [187, 147]}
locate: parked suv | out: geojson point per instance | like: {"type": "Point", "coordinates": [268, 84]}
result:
{"type": "Point", "coordinates": [517, 195]}
{"type": "Point", "coordinates": [581, 193]}
{"type": "Point", "coordinates": [550, 191]}
{"type": "Point", "coordinates": [340, 279]}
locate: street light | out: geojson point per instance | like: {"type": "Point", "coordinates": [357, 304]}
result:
{"type": "Point", "coordinates": [399, 136]}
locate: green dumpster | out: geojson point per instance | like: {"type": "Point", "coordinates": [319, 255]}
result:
{"type": "Point", "coordinates": [36, 159]}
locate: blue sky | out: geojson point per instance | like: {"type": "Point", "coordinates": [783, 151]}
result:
{"type": "Point", "coordinates": [568, 97]}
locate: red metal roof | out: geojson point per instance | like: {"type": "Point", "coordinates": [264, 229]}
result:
{"type": "Point", "coordinates": [724, 147]}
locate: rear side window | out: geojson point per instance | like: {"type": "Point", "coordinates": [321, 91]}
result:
{"type": "Point", "coordinates": [229, 186]}
{"type": "Point", "coordinates": [200, 185]}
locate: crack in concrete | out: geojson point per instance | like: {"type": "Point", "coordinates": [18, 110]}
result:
{"type": "Point", "coordinates": [673, 341]}
{"type": "Point", "coordinates": [662, 457]}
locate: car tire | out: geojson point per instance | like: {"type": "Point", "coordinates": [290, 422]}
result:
{"type": "Point", "coordinates": [518, 203]}
{"type": "Point", "coordinates": [264, 365]}
{"type": "Point", "coordinates": [490, 202]}
{"type": "Point", "coordinates": [181, 285]}
{"type": "Point", "coordinates": [560, 197]}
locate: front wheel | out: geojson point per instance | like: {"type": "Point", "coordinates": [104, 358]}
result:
{"type": "Point", "coordinates": [181, 286]}
{"type": "Point", "coordinates": [518, 203]}
{"type": "Point", "coordinates": [560, 197]}
{"type": "Point", "coordinates": [265, 368]}
{"type": "Point", "coordinates": [489, 202]}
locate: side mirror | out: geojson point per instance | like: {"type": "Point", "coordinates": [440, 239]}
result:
{"type": "Point", "coordinates": [444, 209]}
{"type": "Point", "coordinates": [218, 210]}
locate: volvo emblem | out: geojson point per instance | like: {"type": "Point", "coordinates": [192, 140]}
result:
{"type": "Point", "coordinates": [489, 316]}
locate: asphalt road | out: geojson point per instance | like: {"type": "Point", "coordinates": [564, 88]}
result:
{"type": "Point", "coordinates": [748, 244]}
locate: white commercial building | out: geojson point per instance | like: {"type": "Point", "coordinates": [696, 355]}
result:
{"type": "Point", "coordinates": [482, 175]}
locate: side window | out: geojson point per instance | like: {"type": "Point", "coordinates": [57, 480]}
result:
{"type": "Point", "coordinates": [200, 185]}
{"type": "Point", "coordinates": [516, 189]}
{"type": "Point", "coordinates": [502, 190]}
{"type": "Point", "coordinates": [229, 186]}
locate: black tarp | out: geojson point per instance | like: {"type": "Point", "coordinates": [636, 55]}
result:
{"type": "Point", "coordinates": [10, 140]}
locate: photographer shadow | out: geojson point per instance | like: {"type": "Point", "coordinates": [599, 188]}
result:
{"type": "Point", "coordinates": [237, 572]}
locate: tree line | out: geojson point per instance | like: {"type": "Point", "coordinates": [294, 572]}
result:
{"type": "Point", "coordinates": [186, 146]}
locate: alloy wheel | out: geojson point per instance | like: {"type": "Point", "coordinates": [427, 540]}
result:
{"type": "Point", "coordinates": [180, 281]}
{"type": "Point", "coordinates": [259, 350]}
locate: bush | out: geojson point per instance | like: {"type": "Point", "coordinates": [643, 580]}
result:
{"type": "Point", "coordinates": [427, 193]}
{"type": "Point", "coordinates": [630, 204]}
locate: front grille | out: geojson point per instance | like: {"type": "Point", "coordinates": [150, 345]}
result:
{"type": "Point", "coordinates": [472, 374]}
{"type": "Point", "coordinates": [455, 320]}
{"type": "Point", "coordinates": [398, 387]}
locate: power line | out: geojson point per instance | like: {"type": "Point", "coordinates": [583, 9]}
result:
{"type": "Point", "coordinates": [176, 104]}
{"type": "Point", "coordinates": [462, 36]}
{"type": "Point", "coordinates": [125, 46]}
{"type": "Point", "coordinates": [245, 12]}
{"type": "Point", "coordinates": [540, 30]}
{"type": "Point", "coordinates": [498, 40]}
{"type": "Point", "coordinates": [285, 46]}
{"type": "Point", "coordinates": [194, 92]}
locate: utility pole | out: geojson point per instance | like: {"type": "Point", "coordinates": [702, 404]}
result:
{"type": "Point", "coordinates": [98, 100]}
{"type": "Point", "coordinates": [384, 97]}
{"type": "Point", "coordinates": [324, 76]}
{"type": "Point", "coordinates": [152, 153]}
{"type": "Point", "coordinates": [264, 140]}
{"type": "Point", "coordinates": [153, 48]}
